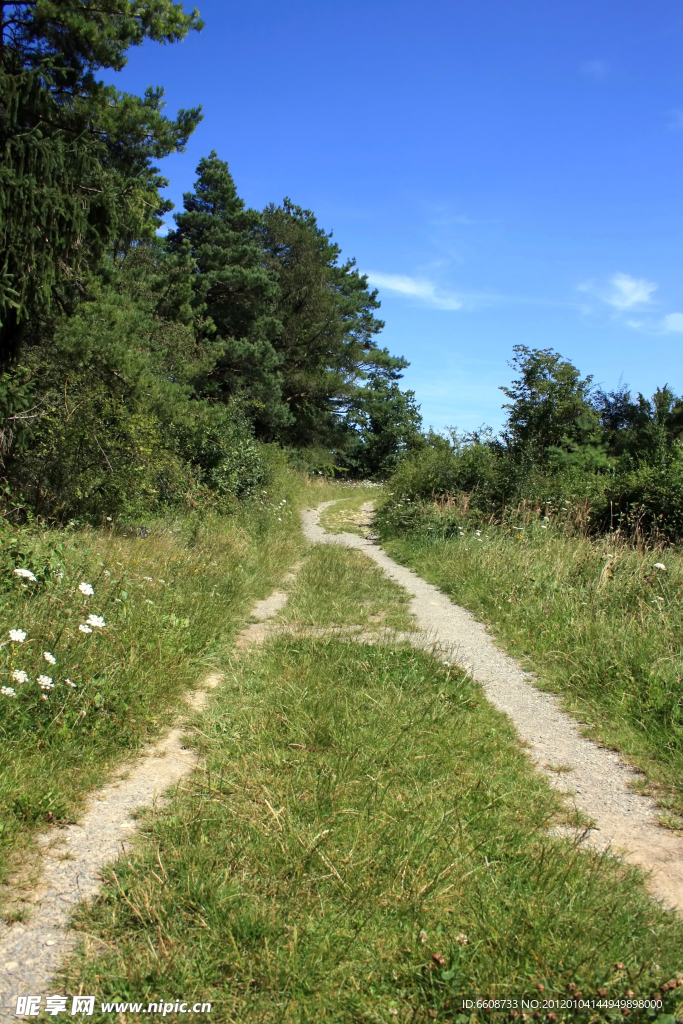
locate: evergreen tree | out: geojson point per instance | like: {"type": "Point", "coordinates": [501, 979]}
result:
{"type": "Point", "coordinates": [76, 170]}
{"type": "Point", "coordinates": [234, 294]}
{"type": "Point", "coordinates": [327, 344]}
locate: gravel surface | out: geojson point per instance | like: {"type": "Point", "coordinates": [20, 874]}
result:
{"type": "Point", "coordinates": [598, 781]}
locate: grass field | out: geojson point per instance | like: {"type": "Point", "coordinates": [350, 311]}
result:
{"type": "Point", "coordinates": [168, 599]}
{"type": "Point", "coordinates": [364, 841]}
{"type": "Point", "coordinates": [599, 621]}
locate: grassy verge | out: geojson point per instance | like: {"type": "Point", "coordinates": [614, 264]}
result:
{"type": "Point", "coordinates": [337, 586]}
{"type": "Point", "coordinates": [80, 693]}
{"type": "Point", "coordinates": [601, 624]}
{"type": "Point", "coordinates": [366, 842]}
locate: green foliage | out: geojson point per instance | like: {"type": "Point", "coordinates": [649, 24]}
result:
{"type": "Point", "coordinates": [119, 430]}
{"type": "Point", "coordinates": [234, 292]}
{"type": "Point", "coordinates": [327, 342]}
{"type": "Point", "coordinates": [546, 400]}
{"type": "Point", "coordinates": [75, 155]}
{"type": "Point", "coordinates": [384, 427]}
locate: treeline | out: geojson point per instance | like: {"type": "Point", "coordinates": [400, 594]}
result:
{"type": "Point", "coordinates": [599, 461]}
{"type": "Point", "coordinates": [139, 371]}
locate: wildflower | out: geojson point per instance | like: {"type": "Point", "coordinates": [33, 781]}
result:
{"type": "Point", "coordinates": [148, 601]}
{"type": "Point", "coordinates": [544, 526]}
{"type": "Point", "coordinates": [19, 676]}
{"type": "Point", "coordinates": [45, 682]}
{"type": "Point", "coordinates": [26, 574]}
{"type": "Point", "coordinates": [43, 697]}
{"type": "Point", "coordinates": [60, 575]}
{"type": "Point", "coordinates": [477, 533]}
{"type": "Point", "coordinates": [85, 588]}
{"type": "Point", "coordinates": [423, 937]}
{"type": "Point", "coordinates": [49, 658]}
{"type": "Point", "coordinates": [659, 565]}
{"type": "Point", "coordinates": [72, 685]}
{"type": "Point", "coordinates": [461, 939]}
{"type": "Point", "coordinates": [17, 635]}
{"type": "Point", "coordinates": [148, 578]}
{"type": "Point", "coordinates": [7, 691]}
{"type": "Point", "coordinates": [85, 629]}
{"type": "Point", "coordinates": [96, 620]}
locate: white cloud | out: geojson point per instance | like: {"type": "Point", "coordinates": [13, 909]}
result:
{"type": "Point", "coordinates": [596, 69]}
{"type": "Point", "coordinates": [415, 288]}
{"type": "Point", "coordinates": [673, 322]}
{"type": "Point", "coordinates": [624, 292]}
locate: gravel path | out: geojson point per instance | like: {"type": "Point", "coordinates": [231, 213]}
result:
{"type": "Point", "coordinates": [599, 782]}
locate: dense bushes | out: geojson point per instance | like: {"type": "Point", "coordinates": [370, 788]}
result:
{"type": "Point", "coordinates": [597, 462]}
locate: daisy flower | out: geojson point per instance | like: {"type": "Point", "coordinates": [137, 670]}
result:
{"type": "Point", "coordinates": [25, 574]}
{"type": "Point", "coordinates": [85, 588]}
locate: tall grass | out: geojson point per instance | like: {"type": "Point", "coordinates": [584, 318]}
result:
{"type": "Point", "coordinates": [365, 843]}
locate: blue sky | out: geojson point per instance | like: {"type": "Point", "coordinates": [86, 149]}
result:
{"type": "Point", "coordinates": [506, 173]}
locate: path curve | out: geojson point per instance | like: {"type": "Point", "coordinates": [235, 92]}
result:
{"type": "Point", "coordinates": [599, 781]}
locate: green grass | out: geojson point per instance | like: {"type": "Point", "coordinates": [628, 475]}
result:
{"type": "Point", "coordinates": [161, 636]}
{"type": "Point", "coordinates": [338, 586]}
{"type": "Point", "coordinates": [366, 842]}
{"type": "Point", "coordinates": [596, 620]}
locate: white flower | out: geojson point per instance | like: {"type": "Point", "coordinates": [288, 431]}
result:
{"type": "Point", "coordinates": [17, 635]}
{"type": "Point", "coordinates": [45, 682]}
{"type": "Point", "coordinates": [148, 578]}
{"type": "Point", "coordinates": [19, 676]}
{"type": "Point", "coordinates": [147, 601]}
{"type": "Point", "coordinates": [49, 657]}
{"type": "Point", "coordinates": [86, 589]}
{"type": "Point", "coordinates": [60, 575]}
{"type": "Point", "coordinates": [659, 565]}
{"type": "Point", "coordinates": [96, 620]}
{"type": "Point", "coordinates": [544, 526]}
{"type": "Point", "coordinates": [26, 573]}
{"type": "Point", "coordinates": [72, 685]}
{"type": "Point", "coordinates": [477, 533]}
{"type": "Point", "coordinates": [461, 939]}
{"type": "Point", "coordinates": [7, 691]}
{"type": "Point", "coordinates": [85, 629]}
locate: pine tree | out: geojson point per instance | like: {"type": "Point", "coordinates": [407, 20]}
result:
{"type": "Point", "coordinates": [235, 293]}
{"type": "Point", "coordinates": [76, 156]}
{"type": "Point", "coordinates": [327, 344]}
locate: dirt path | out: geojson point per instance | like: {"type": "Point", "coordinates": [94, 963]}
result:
{"type": "Point", "coordinates": [598, 781]}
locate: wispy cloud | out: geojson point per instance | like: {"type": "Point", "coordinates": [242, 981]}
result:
{"type": "Point", "coordinates": [595, 69]}
{"type": "Point", "coordinates": [623, 291]}
{"type": "Point", "coordinates": [416, 288]}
